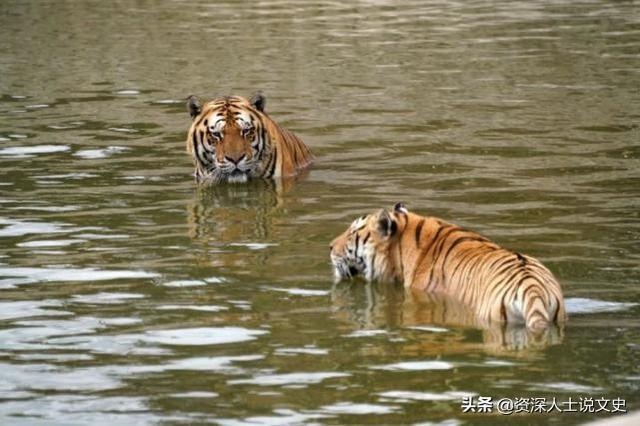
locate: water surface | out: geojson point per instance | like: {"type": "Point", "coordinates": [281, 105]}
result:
{"type": "Point", "coordinates": [130, 295]}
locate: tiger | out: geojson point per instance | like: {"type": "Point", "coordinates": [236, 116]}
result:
{"type": "Point", "coordinates": [232, 139]}
{"type": "Point", "coordinates": [429, 254]}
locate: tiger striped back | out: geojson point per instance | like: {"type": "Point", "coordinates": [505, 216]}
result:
{"type": "Point", "coordinates": [233, 139]}
{"type": "Point", "coordinates": [432, 255]}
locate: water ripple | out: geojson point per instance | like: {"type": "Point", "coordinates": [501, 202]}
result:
{"type": "Point", "coordinates": [41, 275]}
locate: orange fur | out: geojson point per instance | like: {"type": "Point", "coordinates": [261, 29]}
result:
{"type": "Point", "coordinates": [432, 255]}
{"type": "Point", "coordinates": [233, 139]}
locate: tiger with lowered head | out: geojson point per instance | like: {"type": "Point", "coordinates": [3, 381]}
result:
{"type": "Point", "coordinates": [232, 139]}
{"type": "Point", "coordinates": [430, 254]}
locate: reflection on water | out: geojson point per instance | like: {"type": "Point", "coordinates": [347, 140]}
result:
{"type": "Point", "coordinates": [373, 306]}
{"type": "Point", "coordinates": [223, 218]}
{"type": "Point", "coordinates": [221, 213]}
{"type": "Point", "coordinates": [227, 221]}
{"type": "Point", "coordinates": [130, 295]}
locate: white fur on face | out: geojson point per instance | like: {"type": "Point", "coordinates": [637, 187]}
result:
{"type": "Point", "coordinates": [243, 119]}
{"type": "Point", "coordinates": [356, 259]}
{"type": "Point", "coordinates": [216, 124]}
{"type": "Point", "coordinates": [359, 223]}
{"type": "Point", "coordinates": [240, 178]}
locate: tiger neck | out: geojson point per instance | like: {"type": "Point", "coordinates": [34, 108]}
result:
{"type": "Point", "coordinates": [409, 255]}
{"type": "Point", "coordinates": [390, 268]}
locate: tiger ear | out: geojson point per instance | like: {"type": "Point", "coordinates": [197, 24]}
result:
{"type": "Point", "coordinates": [193, 106]}
{"type": "Point", "coordinates": [258, 101]}
{"type": "Point", "coordinates": [400, 208]}
{"type": "Point", "coordinates": [386, 225]}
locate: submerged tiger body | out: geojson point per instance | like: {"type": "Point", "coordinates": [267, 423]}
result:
{"type": "Point", "coordinates": [232, 139]}
{"type": "Point", "coordinates": [430, 254]}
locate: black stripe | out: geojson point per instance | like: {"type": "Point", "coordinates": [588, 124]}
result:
{"type": "Point", "coordinates": [401, 264]}
{"type": "Point", "coordinates": [262, 143]}
{"type": "Point", "coordinates": [201, 143]}
{"type": "Point", "coordinates": [503, 310]}
{"type": "Point", "coordinates": [506, 260]}
{"type": "Point", "coordinates": [555, 316]}
{"type": "Point", "coordinates": [507, 266]}
{"type": "Point", "coordinates": [204, 116]}
{"type": "Point", "coordinates": [366, 238]}
{"type": "Point", "coordinates": [438, 249]}
{"type": "Point", "coordinates": [196, 144]}
{"type": "Point", "coordinates": [459, 241]}
{"type": "Point", "coordinates": [435, 238]}
{"type": "Point", "coordinates": [536, 286]}
{"type": "Point", "coordinates": [425, 251]}
{"type": "Point", "coordinates": [466, 258]}
{"type": "Point", "coordinates": [440, 244]}
{"type": "Point", "coordinates": [528, 303]}
{"type": "Point", "coordinates": [508, 289]}
{"type": "Point", "coordinates": [265, 171]}
{"type": "Point", "coordinates": [419, 231]}
{"type": "Point", "coordinates": [275, 160]}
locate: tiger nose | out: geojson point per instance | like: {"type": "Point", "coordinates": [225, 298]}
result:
{"type": "Point", "coordinates": [235, 159]}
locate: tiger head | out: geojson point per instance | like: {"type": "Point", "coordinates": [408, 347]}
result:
{"type": "Point", "coordinates": [227, 138]}
{"type": "Point", "coordinates": [366, 247]}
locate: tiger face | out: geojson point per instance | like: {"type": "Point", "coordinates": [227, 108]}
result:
{"type": "Point", "coordinates": [365, 248]}
{"type": "Point", "coordinates": [227, 139]}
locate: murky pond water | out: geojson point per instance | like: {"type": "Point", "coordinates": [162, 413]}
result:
{"type": "Point", "coordinates": [128, 295]}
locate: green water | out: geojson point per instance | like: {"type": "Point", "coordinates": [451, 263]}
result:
{"type": "Point", "coordinates": [129, 295]}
